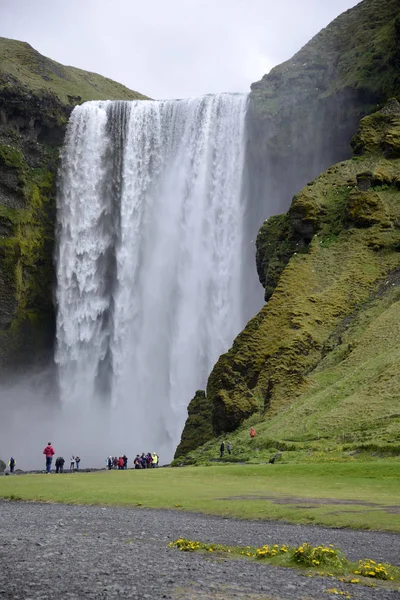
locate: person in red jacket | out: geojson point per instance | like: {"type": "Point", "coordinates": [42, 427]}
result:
{"type": "Point", "coordinates": [49, 453]}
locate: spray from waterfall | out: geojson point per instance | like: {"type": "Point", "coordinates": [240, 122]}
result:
{"type": "Point", "coordinates": [149, 261]}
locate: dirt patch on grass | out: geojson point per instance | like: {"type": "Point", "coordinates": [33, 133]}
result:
{"type": "Point", "coordinates": [315, 502]}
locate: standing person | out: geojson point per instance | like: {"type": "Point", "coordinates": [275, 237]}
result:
{"type": "Point", "coordinates": [77, 461]}
{"type": "Point", "coordinates": [120, 463]}
{"type": "Point", "coordinates": [149, 460]}
{"type": "Point", "coordinates": [110, 463]}
{"type": "Point", "coordinates": [137, 462]}
{"type": "Point", "coordinates": [222, 449]}
{"type": "Point", "coordinates": [60, 464]}
{"type": "Point", "coordinates": [11, 464]}
{"type": "Point", "coordinates": [125, 459]}
{"type": "Point", "coordinates": [154, 456]}
{"type": "Point", "coordinates": [72, 464]}
{"type": "Point", "coordinates": [49, 453]}
{"type": "Point", "coordinates": [229, 448]}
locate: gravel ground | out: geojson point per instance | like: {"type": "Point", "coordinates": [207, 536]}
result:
{"type": "Point", "coordinates": [54, 552]}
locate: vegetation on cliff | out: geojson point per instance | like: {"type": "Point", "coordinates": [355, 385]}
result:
{"type": "Point", "coordinates": [199, 426]}
{"type": "Point", "coordinates": [26, 225]}
{"type": "Point", "coordinates": [22, 65]}
{"type": "Point", "coordinates": [326, 345]}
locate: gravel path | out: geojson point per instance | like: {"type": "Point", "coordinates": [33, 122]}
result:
{"type": "Point", "coordinates": [54, 552]}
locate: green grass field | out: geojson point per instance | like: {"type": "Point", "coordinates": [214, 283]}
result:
{"type": "Point", "coordinates": [358, 495]}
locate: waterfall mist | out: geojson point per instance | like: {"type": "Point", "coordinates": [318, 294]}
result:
{"type": "Point", "coordinates": [149, 262]}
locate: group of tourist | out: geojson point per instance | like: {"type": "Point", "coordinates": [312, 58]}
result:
{"type": "Point", "coordinates": [222, 449]}
{"type": "Point", "coordinates": [60, 461]}
{"type": "Point", "coordinates": [115, 462]}
{"type": "Point", "coordinates": [146, 461]}
{"type": "Point", "coordinates": [73, 465]}
{"type": "Point", "coordinates": [143, 461]}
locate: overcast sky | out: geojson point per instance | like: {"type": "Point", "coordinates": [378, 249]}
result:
{"type": "Point", "coordinates": [170, 48]}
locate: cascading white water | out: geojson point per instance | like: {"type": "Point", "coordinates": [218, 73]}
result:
{"type": "Point", "coordinates": [150, 226]}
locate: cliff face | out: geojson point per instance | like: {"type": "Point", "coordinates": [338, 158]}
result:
{"type": "Point", "coordinates": [301, 119]}
{"type": "Point", "coordinates": [313, 357]}
{"type": "Point", "coordinates": [36, 98]}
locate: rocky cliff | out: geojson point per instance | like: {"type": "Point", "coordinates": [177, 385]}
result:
{"type": "Point", "coordinates": [301, 119]}
{"type": "Point", "coordinates": [36, 98]}
{"type": "Point", "coordinates": [319, 360]}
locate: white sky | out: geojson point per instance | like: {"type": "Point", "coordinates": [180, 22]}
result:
{"type": "Point", "coordinates": [170, 48]}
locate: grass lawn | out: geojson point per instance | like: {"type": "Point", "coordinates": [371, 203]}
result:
{"type": "Point", "coordinates": [359, 495]}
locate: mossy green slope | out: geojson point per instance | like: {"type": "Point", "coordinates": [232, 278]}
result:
{"type": "Point", "coordinates": [323, 348]}
{"type": "Point", "coordinates": [22, 64]}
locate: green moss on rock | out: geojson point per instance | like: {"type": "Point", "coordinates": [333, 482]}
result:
{"type": "Point", "coordinates": [26, 270]}
{"type": "Point", "coordinates": [276, 243]}
{"type": "Point", "coordinates": [198, 428]}
{"type": "Point", "coordinates": [366, 209]}
{"type": "Point", "coordinates": [232, 399]}
{"type": "Point", "coordinates": [380, 132]}
{"type": "Point", "coordinates": [11, 156]}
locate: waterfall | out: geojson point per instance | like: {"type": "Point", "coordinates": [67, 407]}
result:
{"type": "Point", "coordinates": [149, 259]}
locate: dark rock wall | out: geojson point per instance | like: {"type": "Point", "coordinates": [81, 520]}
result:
{"type": "Point", "coordinates": [31, 132]}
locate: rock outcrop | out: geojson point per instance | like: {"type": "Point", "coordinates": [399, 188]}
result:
{"type": "Point", "coordinates": [199, 424]}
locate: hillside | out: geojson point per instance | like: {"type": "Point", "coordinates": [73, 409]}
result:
{"type": "Point", "coordinates": [22, 65]}
{"type": "Point", "coordinates": [319, 364]}
{"type": "Point", "coordinates": [37, 96]}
